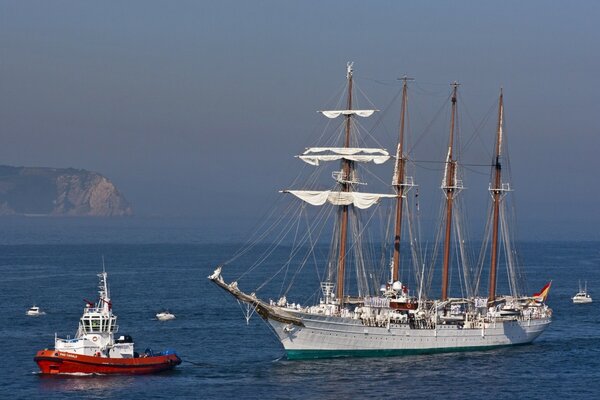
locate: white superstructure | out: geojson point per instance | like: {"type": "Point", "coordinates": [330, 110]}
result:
{"type": "Point", "coordinates": [97, 328]}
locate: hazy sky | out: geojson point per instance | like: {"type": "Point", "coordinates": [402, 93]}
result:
{"type": "Point", "coordinates": [197, 107]}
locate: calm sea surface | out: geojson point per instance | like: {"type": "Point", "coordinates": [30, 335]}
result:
{"type": "Point", "coordinates": [153, 265]}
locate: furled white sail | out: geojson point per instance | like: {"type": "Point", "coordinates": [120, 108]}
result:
{"type": "Point", "coordinates": [337, 113]}
{"type": "Point", "coordinates": [358, 199]}
{"type": "Point", "coordinates": [377, 156]}
{"type": "Point", "coordinates": [346, 150]}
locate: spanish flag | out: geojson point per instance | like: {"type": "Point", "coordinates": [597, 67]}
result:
{"type": "Point", "coordinates": [541, 296]}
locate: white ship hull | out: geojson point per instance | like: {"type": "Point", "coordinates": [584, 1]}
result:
{"type": "Point", "coordinates": [337, 337]}
{"type": "Point", "coordinates": [582, 300]}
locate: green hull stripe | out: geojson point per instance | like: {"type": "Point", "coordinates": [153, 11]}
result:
{"type": "Point", "coordinates": [311, 354]}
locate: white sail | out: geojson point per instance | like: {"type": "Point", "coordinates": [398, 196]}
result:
{"type": "Point", "coordinates": [374, 155]}
{"type": "Point", "coordinates": [358, 199]}
{"type": "Point", "coordinates": [337, 113]}
{"type": "Point", "coordinates": [346, 150]}
{"type": "Point", "coordinates": [314, 160]}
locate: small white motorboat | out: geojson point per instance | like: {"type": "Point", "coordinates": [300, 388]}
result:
{"type": "Point", "coordinates": [582, 296]}
{"type": "Point", "coordinates": [165, 316]}
{"type": "Point", "coordinates": [34, 311]}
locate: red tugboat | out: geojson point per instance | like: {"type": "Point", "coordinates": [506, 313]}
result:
{"type": "Point", "coordinates": [94, 349]}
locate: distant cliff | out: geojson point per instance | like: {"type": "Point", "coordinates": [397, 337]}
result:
{"type": "Point", "coordinates": [59, 192]}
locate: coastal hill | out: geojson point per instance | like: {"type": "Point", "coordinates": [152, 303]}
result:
{"type": "Point", "coordinates": [59, 192]}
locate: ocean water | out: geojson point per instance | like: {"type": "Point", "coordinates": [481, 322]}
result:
{"type": "Point", "coordinates": [54, 264]}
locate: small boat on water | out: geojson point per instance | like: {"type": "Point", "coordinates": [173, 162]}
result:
{"type": "Point", "coordinates": [95, 350]}
{"type": "Point", "coordinates": [165, 316]}
{"type": "Point", "coordinates": [582, 296]}
{"type": "Point", "coordinates": [34, 311]}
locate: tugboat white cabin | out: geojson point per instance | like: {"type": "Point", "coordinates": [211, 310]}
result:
{"type": "Point", "coordinates": [97, 326]}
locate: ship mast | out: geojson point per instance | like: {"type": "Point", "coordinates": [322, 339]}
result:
{"type": "Point", "coordinates": [346, 187]}
{"type": "Point", "coordinates": [496, 190]}
{"type": "Point", "coordinates": [449, 186]}
{"type": "Point", "coordinates": [399, 183]}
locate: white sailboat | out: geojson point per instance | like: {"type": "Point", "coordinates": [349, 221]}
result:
{"type": "Point", "coordinates": [382, 320]}
{"type": "Point", "coordinates": [582, 296]}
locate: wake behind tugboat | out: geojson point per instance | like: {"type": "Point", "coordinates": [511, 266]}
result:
{"type": "Point", "coordinates": [94, 350]}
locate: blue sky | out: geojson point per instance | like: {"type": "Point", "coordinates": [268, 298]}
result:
{"type": "Point", "coordinates": [188, 104]}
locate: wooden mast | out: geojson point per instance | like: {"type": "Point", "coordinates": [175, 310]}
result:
{"type": "Point", "coordinates": [449, 189]}
{"type": "Point", "coordinates": [496, 197]}
{"type": "Point", "coordinates": [399, 184]}
{"type": "Point", "coordinates": [345, 181]}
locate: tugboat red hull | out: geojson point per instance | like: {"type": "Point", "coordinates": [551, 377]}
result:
{"type": "Point", "coordinates": [59, 362]}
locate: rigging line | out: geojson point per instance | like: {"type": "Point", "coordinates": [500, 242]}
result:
{"type": "Point", "coordinates": [463, 238]}
{"type": "Point", "coordinates": [358, 266]}
{"type": "Point", "coordinates": [365, 169]}
{"type": "Point", "coordinates": [438, 240]}
{"type": "Point", "coordinates": [362, 128]}
{"type": "Point", "coordinates": [320, 217]}
{"type": "Point", "coordinates": [363, 254]}
{"type": "Point", "coordinates": [459, 271]}
{"type": "Point", "coordinates": [516, 272]}
{"type": "Point", "coordinates": [441, 168]}
{"type": "Point", "coordinates": [339, 94]}
{"type": "Point", "coordinates": [269, 250]}
{"type": "Point", "coordinates": [278, 271]}
{"type": "Point", "coordinates": [385, 82]}
{"type": "Point", "coordinates": [428, 127]}
{"type": "Point", "coordinates": [361, 232]}
{"type": "Point", "coordinates": [303, 263]}
{"type": "Point", "coordinates": [287, 264]}
{"type": "Point", "coordinates": [246, 312]}
{"type": "Point", "coordinates": [264, 220]}
{"type": "Point", "coordinates": [312, 247]}
{"type": "Point", "coordinates": [478, 128]}
{"type": "Point", "coordinates": [370, 257]}
{"type": "Point", "coordinates": [512, 214]}
{"type": "Point", "coordinates": [473, 170]}
{"type": "Point", "coordinates": [252, 244]}
{"type": "Point", "coordinates": [414, 250]}
{"type": "Point", "coordinates": [457, 162]}
{"type": "Point", "coordinates": [485, 244]}
{"type": "Point", "coordinates": [386, 235]}
{"type": "Point", "coordinates": [258, 233]}
{"type": "Point", "coordinates": [443, 86]}
{"type": "Point", "coordinates": [357, 88]}
{"type": "Point", "coordinates": [383, 113]}
{"type": "Point", "coordinates": [327, 126]}
{"type": "Point", "coordinates": [510, 272]}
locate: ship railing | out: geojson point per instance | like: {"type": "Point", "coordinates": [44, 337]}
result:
{"type": "Point", "coordinates": [91, 330]}
{"type": "Point", "coordinates": [89, 310]}
{"type": "Point", "coordinates": [60, 340]}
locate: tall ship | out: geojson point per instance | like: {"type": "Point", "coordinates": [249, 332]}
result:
{"type": "Point", "coordinates": [365, 305]}
{"type": "Point", "coordinates": [96, 349]}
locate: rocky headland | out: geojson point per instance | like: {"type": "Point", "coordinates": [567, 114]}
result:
{"type": "Point", "coordinates": [59, 192]}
